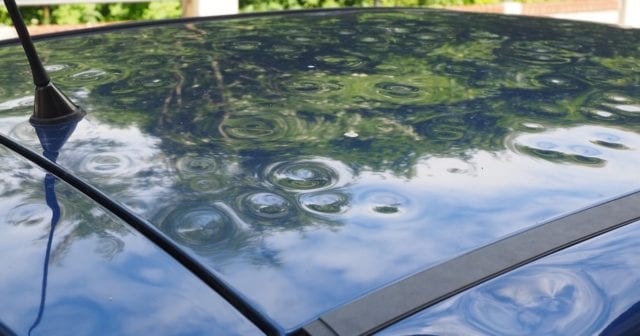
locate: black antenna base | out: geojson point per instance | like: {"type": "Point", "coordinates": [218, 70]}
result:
{"type": "Point", "coordinates": [51, 106]}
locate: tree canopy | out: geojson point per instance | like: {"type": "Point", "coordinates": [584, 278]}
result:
{"type": "Point", "coordinates": [92, 13]}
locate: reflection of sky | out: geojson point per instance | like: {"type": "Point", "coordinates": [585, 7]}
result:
{"type": "Point", "coordinates": [450, 205]}
{"type": "Point", "coordinates": [578, 291]}
{"type": "Point", "coordinates": [103, 278]}
{"type": "Point", "coordinates": [114, 158]}
{"type": "Point", "coordinates": [307, 174]}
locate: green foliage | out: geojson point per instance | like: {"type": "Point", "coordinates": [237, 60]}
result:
{"type": "Point", "coordinates": [162, 10]}
{"type": "Point", "coordinates": [92, 13]}
{"type": "Point", "coordinates": [407, 85]}
{"type": "Point", "coordinates": [33, 15]}
{"type": "Point", "coordinates": [73, 14]}
{"type": "Point", "coordinates": [123, 12]}
{"type": "Point", "coordinates": [259, 5]}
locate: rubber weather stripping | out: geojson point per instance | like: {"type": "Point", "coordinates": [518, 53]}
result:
{"type": "Point", "coordinates": [392, 303]}
{"type": "Point", "coordinates": [237, 300]}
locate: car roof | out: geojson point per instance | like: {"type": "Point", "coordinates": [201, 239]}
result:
{"type": "Point", "coordinates": [590, 288]}
{"type": "Point", "coordinates": [92, 274]}
{"type": "Point", "coordinates": [309, 159]}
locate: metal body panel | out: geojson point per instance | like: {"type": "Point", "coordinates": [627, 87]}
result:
{"type": "Point", "coordinates": [592, 288]}
{"type": "Point", "coordinates": [309, 159]}
{"type": "Point", "coordinates": [429, 287]}
{"type": "Point", "coordinates": [93, 274]}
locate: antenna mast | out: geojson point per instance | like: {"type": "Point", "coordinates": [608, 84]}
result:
{"type": "Point", "coordinates": [51, 106]}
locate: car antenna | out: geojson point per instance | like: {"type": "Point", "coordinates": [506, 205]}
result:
{"type": "Point", "coordinates": [50, 106]}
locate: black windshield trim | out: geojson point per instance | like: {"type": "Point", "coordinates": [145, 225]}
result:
{"type": "Point", "coordinates": [390, 304]}
{"type": "Point", "coordinates": [237, 300]}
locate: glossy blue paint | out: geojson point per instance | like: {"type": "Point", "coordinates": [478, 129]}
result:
{"type": "Point", "coordinates": [70, 267]}
{"type": "Point", "coordinates": [592, 288]}
{"type": "Point", "coordinates": [310, 159]}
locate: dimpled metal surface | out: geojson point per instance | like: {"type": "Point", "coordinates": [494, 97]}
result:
{"type": "Point", "coordinates": [311, 158]}
{"type": "Point", "coordinates": [98, 276]}
{"type": "Point", "coordinates": [588, 289]}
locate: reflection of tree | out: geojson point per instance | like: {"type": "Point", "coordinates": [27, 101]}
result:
{"type": "Point", "coordinates": [24, 194]}
{"type": "Point", "coordinates": [378, 91]}
{"type": "Point", "coordinates": [91, 223]}
{"type": "Point", "coordinates": [447, 87]}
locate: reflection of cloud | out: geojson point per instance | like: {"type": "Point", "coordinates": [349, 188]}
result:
{"type": "Point", "coordinates": [125, 161]}
{"type": "Point", "coordinates": [512, 169]}
{"type": "Point", "coordinates": [392, 226]}
{"type": "Point", "coordinates": [163, 296]}
{"type": "Point", "coordinates": [17, 102]}
{"type": "Point", "coordinates": [449, 207]}
{"type": "Point", "coordinates": [139, 290]}
{"type": "Point", "coordinates": [389, 227]}
{"type": "Point", "coordinates": [437, 112]}
{"type": "Point", "coordinates": [579, 290]}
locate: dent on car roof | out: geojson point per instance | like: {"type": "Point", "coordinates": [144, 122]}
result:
{"type": "Point", "coordinates": [310, 159]}
{"type": "Point", "coordinates": [97, 276]}
{"type": "Point", "coordinates": [429, 287]}
{"type": "Point", "coordinates": [588, 289]}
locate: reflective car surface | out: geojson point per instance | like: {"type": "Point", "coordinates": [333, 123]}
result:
{"type": "Point", "coordinates": [309, 159]}
{"type": "Point", "coordinates": [591, 288]}
{"type": "Point", "coordinates": [93, 274]}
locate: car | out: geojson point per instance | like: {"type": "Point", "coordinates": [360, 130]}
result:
{"type": "Point", "coordinates": [325, 172]}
